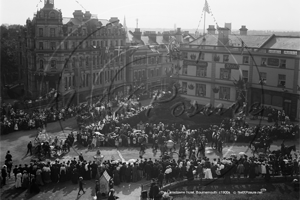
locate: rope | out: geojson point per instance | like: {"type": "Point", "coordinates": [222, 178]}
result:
{"type": "Point", "coordinates": [200, 20]}
{"type": "Point", "coordinates": [210, 11]}
{"type": "Point", "coordinates": [80, 5]}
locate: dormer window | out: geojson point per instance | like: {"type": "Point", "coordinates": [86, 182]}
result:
{"type": "Point", "coordinates": [52, 15]}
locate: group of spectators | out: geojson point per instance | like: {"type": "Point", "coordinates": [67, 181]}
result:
{"type": "Point", "coordinates": [15, 119]}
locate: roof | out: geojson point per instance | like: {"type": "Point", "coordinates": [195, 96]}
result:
{"type": "Point", "coordinates": [70, 19]}
{"type": "Point", "coordinates": [283, 42]}
{"type": "Point", "coordinates": [235, 40]}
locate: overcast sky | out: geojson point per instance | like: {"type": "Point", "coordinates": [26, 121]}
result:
{"type": "Point", "coordinates": [255, 14]}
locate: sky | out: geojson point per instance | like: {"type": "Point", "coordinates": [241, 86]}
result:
{"type": "Point", "coordinates": [167, 14]}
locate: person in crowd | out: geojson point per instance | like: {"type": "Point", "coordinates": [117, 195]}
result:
{"type": "Point", "coordinates": [81, 183]}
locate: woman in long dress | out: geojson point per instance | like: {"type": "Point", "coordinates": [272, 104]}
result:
{"type": "Point", "coordinates": [25, 180]}
{"type": "Point", "coordinates": [116, 177]}
{"type": "Point", "coordinates": [18, 183]}
{"type": "Point", "coordinates": [38, 177]}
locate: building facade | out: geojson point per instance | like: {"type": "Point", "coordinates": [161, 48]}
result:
{"type": "Point", "coordinates": [151, 64]}
{"type": "Point", "coordinates": [78, 55]}
{"type": "Point", "coordinates": [268, 65]}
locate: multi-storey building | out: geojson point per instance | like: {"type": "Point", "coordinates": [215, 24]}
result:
{"type": "Point", "coordinates": [151, 64]}
{"type": "Point", "coordinates": [268, 64]}
{"type": "Point", "coordinates": [80, 53]}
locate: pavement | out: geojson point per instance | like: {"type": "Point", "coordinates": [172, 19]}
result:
{"type": "Point", "coordinates": [17, 142]}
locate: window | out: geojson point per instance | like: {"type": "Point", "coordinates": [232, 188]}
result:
{"type": "Point", "coordinates": [52, 32]}
{"type": "Point", "coordinates": [245, 75]}
{"type": "Point", "coordinates": [86, 44]}
{"type": "Point", "coordinates": [52, 45]}
{"type": "Point", "coordinates": [84, 32]}
{"type": "Point", "coordinates": [117, 43]}
{"type": "Point", "coordinates": [41, 64]}
{"type": "Point", "coordinates": [41, 32]}
{"type": "Point", "coordinates": [80, 62]}
{"type": "Point", "coordinates": [66, 83]}
{"type": "Point", "coordinates": [224, 93]}
{"type": "Point", "coordinates": [200, 90]}
{"type": "Point", "coordinates": [225, 58]}
{"type": "Point", "coordinates": [263, 77]}
{"type": "Point", "coordinates": [202, 56]}
{"type": "Point", "coordinates": [201, 71]}
{"type": "Point", "coordinates": [41, 45]}
{"type": "Point", "coordinates": [184, 87]}
{"type": "Point", "coordinates": [263, 61]}
{"type": "Point", "coordinates": [66, 63]}
{"type": "Point", "coordinates": [66, 45]}
{"type": "Point", "coordinates": [87, 61]}
{"type": "Point", "coordinates": [52, 15]}
{"type": "Point", "coordinates": [224, 74]}
{"type": "Point", "coordinates": [94, 60]}
{"type": "Point", "coordinates": [281, 80]}
{"type": "Point", "coordinates": [70, 81]}
{"type": "Point", "coordinates": [98, 43]}
{"type": "Point", "coordinates": [101, 43]}
{"type": "Point", "coordinates": [53, 64]}
{"type": "Point", "coordinates": [98, 60]}
{"type": "Point", "coordinates": [122, 43]}
{"type": "Point", "coordinates": [282, 63]}
{"type": "Point", "coordinates": [184, 70]}
{"type": "Point", "coordinates": [245, 59]}
{"type": "Point", "coordinates": [73, 44]}
{"type": "Point", "coordinates": [73, 63]}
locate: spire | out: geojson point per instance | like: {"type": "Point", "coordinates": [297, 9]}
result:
{"type": "Point", "coordinates": [126, 31]}
{"type": "Point", "coordinates": [124, 23]}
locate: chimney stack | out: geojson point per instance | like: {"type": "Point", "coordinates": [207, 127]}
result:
{"type": "Point", "coordinates": [78, 14]}
{"type": "Point", "coordinates": [243, 30]}
{"type": "Point", "coordinates": [178, 35]}
{"type": "Point", "coordinates": [211, 30]}
{"type": "Point", "coordinates": [137, 34]}
{"type": "Point", "coordinates": [223, 36]}
{"type": "Point", "coordinates": [228, 26]}
{"type": "Point", "coordinates": [166, 36]}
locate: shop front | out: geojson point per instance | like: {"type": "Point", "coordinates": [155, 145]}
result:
{"type": "Point", "coordinates": [278, 100]}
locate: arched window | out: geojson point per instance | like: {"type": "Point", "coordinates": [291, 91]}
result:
{"type": "Point", "coordinates": [41, 64]}
{"type": "Point", "coordinates": [52, 15]}
{"type": "Point", "coordinates": [53, 64]}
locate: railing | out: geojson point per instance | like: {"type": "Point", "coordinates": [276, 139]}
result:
{"type": "Point", "coordinates": [240, 49]}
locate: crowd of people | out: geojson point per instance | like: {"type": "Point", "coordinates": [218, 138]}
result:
{"type": "Point", "coordinates": [100, 126]}
{"type": "Point", "coordinates": [15, 119]}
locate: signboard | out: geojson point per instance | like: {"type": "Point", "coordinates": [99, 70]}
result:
{"type": "Point", "coordinates": [196, 63]}
{"type": "Point", "coordinates": [231, 66]}
{"type": "Point", "coordinates": [273, 62]}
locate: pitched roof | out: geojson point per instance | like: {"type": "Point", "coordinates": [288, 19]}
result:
{"type": "Point", "coordinates": [70, 19]}
{"type": "Point", "coordinates": [283, 42]}
{"type": "Point", "coordinates": [235, 40]}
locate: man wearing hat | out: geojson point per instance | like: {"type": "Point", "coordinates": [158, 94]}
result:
{"type": "Point", "coordinates": [81, 183]}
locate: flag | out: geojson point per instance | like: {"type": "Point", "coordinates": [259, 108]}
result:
{"type": "Point", "coordinates": [206, 8]}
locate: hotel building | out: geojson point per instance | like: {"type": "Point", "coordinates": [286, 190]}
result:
{"type": "Point", "coordinates": [268, 64]}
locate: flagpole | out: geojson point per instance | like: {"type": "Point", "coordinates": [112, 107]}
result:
{"type": "Point", "coordinates": [204, 22]}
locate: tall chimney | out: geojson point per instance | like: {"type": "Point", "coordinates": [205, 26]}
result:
{"type": "Point", "coordinates": [243, 30]}
{"type": "Point", "coordinates": [223, 36]}
{"type": "Point", "coordinates": [152, 36]}
{"type": "Point", "coordinates": [211, 30]}
{"type": "Point", "coordinates": [228, 26]}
